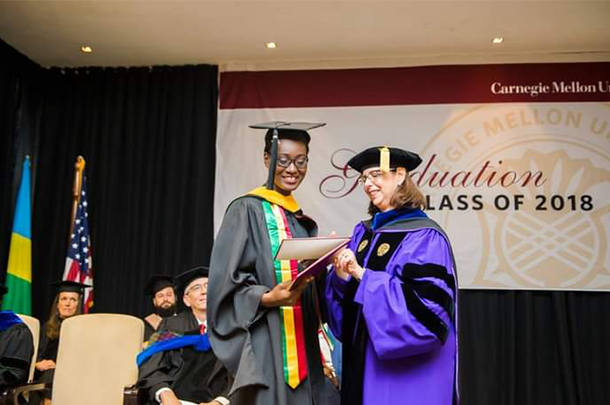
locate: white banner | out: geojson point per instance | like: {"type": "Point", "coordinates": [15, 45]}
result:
{"type": "Point", "coordinates": [521, 188]}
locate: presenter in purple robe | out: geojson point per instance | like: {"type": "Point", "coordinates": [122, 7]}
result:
{"type": "Point", "coordinates": [392, 293]}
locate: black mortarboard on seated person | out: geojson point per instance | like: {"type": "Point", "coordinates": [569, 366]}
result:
{"type": "Point", "coordinates": [69, 286]}
{"type": "Point", "coordinates": [276, 130]}
{"type": "Point", "coordinates": [385, 158]}
{"type": "Point", "coordinates": [158, 282]}
{"type": "Point", "coordinates": [3, 290]}
{"type": "Point", "coordinates": [184, 279]}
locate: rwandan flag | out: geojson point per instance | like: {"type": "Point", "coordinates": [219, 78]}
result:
{"type": "Point", "coordinates": [19, 272]}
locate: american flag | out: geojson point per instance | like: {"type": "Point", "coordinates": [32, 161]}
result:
{"type": "Point", "coordinates": [79, 264]}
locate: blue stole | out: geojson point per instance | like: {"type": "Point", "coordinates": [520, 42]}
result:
{"type": "Point", "coordinates": [8, 319]}
{"type": "Point", "coordinates": [200, 343]}
{"type": "Point", "coordinates": [384, 218]}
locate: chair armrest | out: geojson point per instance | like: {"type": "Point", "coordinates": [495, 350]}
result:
{"type": "Point", "coordinates": [13, 393]}
{"type": "Point", "coordinates": [133, 396]}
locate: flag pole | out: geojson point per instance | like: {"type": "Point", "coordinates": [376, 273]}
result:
{"type": "Point", "coordinates": [79, 167]}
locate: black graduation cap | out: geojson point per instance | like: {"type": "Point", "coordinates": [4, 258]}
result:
{"type": "Point", "coordinates": [158, 282]}
{"type": "Point", "coordinates": [183, 280]}
{"type": "Point", "coordinates": [277, 130]}
{"type": "Point", "coordinates": [3, 290]}
{"type": "Point", "coordinates": [384, 157]}
{"type": "Point", "coordinates": [69, 286]}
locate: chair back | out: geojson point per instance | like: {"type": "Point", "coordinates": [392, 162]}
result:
{"type": "Point", "coordinates": [96, 359]}
{"type": "Point", "coordinates": [34, 325]}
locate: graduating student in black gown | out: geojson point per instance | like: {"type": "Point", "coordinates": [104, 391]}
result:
{"type": "Point", "coordinates": [253, 314]}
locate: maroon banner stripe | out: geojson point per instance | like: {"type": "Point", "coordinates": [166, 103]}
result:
{"type": "Point", "coordinates": [541, 82]}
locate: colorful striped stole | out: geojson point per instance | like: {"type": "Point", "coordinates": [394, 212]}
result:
{"type": "Point", "coordinates": [293, 338]}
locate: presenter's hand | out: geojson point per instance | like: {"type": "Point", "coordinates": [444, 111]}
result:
{"type": "Point", "coordinates": [281, 296]}
{"type": "Point", "coordinates": [340, 272]}
{"type": "Point", "coordinates": [169, 398]}
{"type": "Point", "coordinates": [346, 264]}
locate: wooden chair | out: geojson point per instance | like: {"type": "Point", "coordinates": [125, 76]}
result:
{"type": "Point", "coordinates": [96, 359]}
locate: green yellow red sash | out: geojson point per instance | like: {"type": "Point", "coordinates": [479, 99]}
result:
{"type": "Point", "coordinates": [293, 339]}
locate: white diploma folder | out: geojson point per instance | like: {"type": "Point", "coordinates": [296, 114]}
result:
{"type": "Point", "coordinates": [308, 248]}
{"type": "Point", "coordinates": [319, 249]}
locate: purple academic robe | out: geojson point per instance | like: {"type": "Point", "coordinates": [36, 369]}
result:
{"type": "Point", "coordinates": [398, 324]}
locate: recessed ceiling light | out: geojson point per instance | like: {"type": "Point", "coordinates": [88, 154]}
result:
{"type": "Point", "coordinates": [271, 45]}
{"type": "Point", "coordinates": [86, 49]}
{"type": "Point", "coordinates": [497, 40]}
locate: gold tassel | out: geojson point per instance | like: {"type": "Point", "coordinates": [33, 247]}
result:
{"type": "Point", "coordinates": [384, 159]}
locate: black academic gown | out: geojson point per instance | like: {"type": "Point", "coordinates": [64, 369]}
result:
{"type": "Point", "coordinates": [47, 350]}
{"type": "Point", "coordinates": [193, 375]}
{"type": "Point", "coordinates": [16, 350]}
{"type": "Point", "coordinates": [247, 337]}
{"type": "Point", "coordinates": [148, 330]}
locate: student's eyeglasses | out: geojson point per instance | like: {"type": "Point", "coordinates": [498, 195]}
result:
{"type": "Point", "coordinates": [374, 176]}
{"type": "Point", "coordinates": [300, 162]}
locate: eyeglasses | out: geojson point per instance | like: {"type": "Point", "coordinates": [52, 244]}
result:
{"type": "Point", "coordinates": [374, 176]}
{"type": "Point", "coordinates": [196, 288]}
{"type": "Point", "coordinates": [300, 161]}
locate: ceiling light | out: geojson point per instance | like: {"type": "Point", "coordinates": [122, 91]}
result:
{"type": "Point", "coordinates": [86, 49]}
{"type": "Point", "coordinates": [497, 40]}
{"type": "Point", "coordinates": [271, 45]}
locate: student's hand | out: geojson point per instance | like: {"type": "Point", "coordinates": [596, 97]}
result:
{"type": "Point", "coordinates": [169, 398]}
{"type": "Point", "coordinates": [44, 365]}
{"type": "Point", "coordinates": [281, 296]}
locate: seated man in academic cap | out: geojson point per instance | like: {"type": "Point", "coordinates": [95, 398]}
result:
{"type": "Point", "coordinates": [178, 365]}
{"type": "Point", "coordinates": [161, 289]}
{"type": "Point", "coordinates": [16, 348]}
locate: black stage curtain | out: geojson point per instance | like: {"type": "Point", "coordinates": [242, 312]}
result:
{"type": "Point", "coordinates": [148, 136]}
{"type": "Point", "coordinates": [534, 347]}
{"type": "Point", "coordinates": [18, 75]}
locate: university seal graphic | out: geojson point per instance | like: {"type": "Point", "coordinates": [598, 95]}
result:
{"type": "Point", "coordinates": [523, 191]}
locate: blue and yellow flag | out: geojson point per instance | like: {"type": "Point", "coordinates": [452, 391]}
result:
{"type": "Point", "coordinates": [19, 272]}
